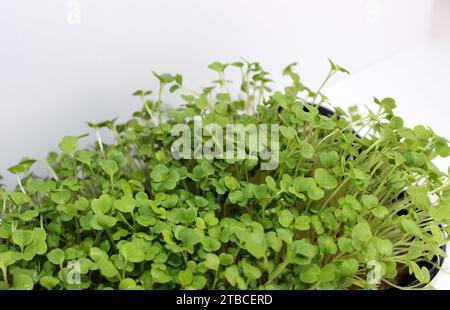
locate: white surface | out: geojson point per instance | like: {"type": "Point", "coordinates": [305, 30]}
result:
{"type": "Point", "coordinates": [56, 75]}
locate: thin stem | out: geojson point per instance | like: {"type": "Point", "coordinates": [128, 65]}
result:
{"type": "Point", "coordinates": [20, 184]}
{"type": "Point", "coordinates": [335, 192]}
{"type": "Point", "coordinates": [160, 91]}
{"type": "Point", "coordinates": [190, 90]}
{"type": "Point", "coordinates": [440, 188]}
{"type": "Point", "coordinates": [278, 271]}
{"type": "Point", "coordinates": [124, 268]}
{"type": "Point", "coordinates": [100, 143]}
{"type": "Point", "coordinates": [215, 279]}
{"type": "Point", "coordinates": [4, 208]}
{"type": "Point", "coordinates": [150, 113]}
{"type": "Point", "coordinates": [330, 74]}
{"type": "Point", "coordinates": [5, 275]}
{"type": "Point", "coordinates": [50, 169]}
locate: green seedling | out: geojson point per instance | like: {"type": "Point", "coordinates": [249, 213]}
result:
{"type": "Point", "coordinates": [351, 191]}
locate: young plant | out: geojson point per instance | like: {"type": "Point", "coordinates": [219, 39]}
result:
{"type": "Point", "coordinates": [355, 201]}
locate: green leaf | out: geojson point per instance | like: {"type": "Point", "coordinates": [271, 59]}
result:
{"type": "Point", "coordinates": [201, 102]}
{"type": "Point", "coordinates": [118, 157]}
{"type": "Point", "coordinates": [327, 273]}
{"type": "Point", "coordinates": [362, 232]}
{"type": "Point", "coordinates": [85, 157]}
{"type": "Point", "coordinates": [22, 237]}
{"type": "Point", "coordinates": [369, 201]}
{"type": "Point", "coordinates": [419, 196]}
{"type": "Point", "coordinates": [415, 159]}
{"type": "Point", "coordinates": [329, 159]}
{"type": "Point", "coordinates": [348, 267]}
{"type": "Point", "coordinates": [310, 274]}
{"type": "Point", "coordinates": [232, 274]}
{"type": "Point", "coordinates": [23, 166]}
{"type": "Point", "coordinates": [109, 166]}
{"type": "Point", "coordinates": [82, 204]}
{"type": "Point", "coordinates": [421, 273]}
{"type": "Point", "coordinates": [441, 212]}
{"type": "Point", "coordinates": [107, 268]}
{"type": "Point", "coordinates": [28, 215]}
{"type": "Point", "coordinates": [226, 259]}
{"type": "Point", "coordinates": [336, 67]}
{"type": "Point", "coordinates": [236, 196]}
{"type": "Point", "coordinates": [327, 244]}
{"type": "Point", "coordinates": [164, 78]}
{"type": "Point", "coordinates": [185, 277]}
{"type": "Point", "coordinates": [307, 150]}
{"type": "Point", "coordinates": [274, 241]}
{"type": "Point", "coordinates": [189, 237]}
{"type": "Point", "coordinates": [345, 244]}
{"type": "Point", "coordinates": [385, 247]}
{"type": "Point", "coordinates": [126, 204]}
{"type": "Point", "coordinates": [172, 180]}
{"type": "Point", "coordinates": [198, 282]}
{"type": "Point", "coordinates": [410, 227]}
{"type": "Point", "coordinates": [187, 216]}
{"type": "Point", "coordinates": [212, 261]}
{"type": "Point", "coordinates": [102, 205]}
{"type": "Point", "coordinates": [160, 276]}
{"type": "Point", "coordinates": [250, 271]}
{"type": "Point", "coordinates": [19, 198]}
{"type": "Point", "coordinates": [285, 218]}
{"type": "Point", "coordinates": [324, 179]}
{"type": "Point", "coordinates": [61, 197]}
{"type": "Point", "coordinates": [7, 258]}
{"type": "Point", "coordinates": [301, 252]}
{"type": "Point", "coordinates": [380, 212]}
{"type": "Point", "coordinates": [210, 219]}
{"type": "Point", "coordinates": [285, 234]}
{"type": "Point", "coordinates": [48, 282]}
{"type": "Point", "coordinates": [69, 144]}
{"type": "Point", "coordinates": [22, 282]}
{"type": "Point", "coordinates": [281, 100]}
{"type": "Point", "coordinates": [210, 244]}
{"type": "Point", "coordinates": [302, 222]}
{"type": "Point", "coordinates": [128, 284]}
{"type": "Point", "coordinates": [261, 192]}
{"type": "Point", "coordinates": [288, 132]}
{"type": "Point", "coordinates": [97, 254]}
{"type": "Point", "coordinates": [271, 183]}
{"type": "Point", "coordinates": [133, 252]}
{"type": "Point", "coordinates": [159, 173]}
{"type": "Point", "coordinates": [101, 221]}
{"type": "Point", "coordinates": [231, 183]}
{"type": "Point", "coordinates": [56, 256]}
{"type": "Point", "coordinates": [315, 193]}
{"type": "Point", "coordinates": [256, 244]}
{"type": "Point", "coordinates": [217, 66]}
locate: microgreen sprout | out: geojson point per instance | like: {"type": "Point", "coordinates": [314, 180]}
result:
{"type": "Point", "coordinates": [352, 193]}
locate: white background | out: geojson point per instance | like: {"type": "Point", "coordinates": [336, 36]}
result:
{"type": "Point", "coordinates": [59, 69]}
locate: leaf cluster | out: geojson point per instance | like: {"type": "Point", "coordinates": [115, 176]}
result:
{"type": "Point", "coordinates": [349, 189]}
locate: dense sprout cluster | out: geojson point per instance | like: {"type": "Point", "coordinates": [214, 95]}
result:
{"type": "Point", "coordinates": [349, 189]}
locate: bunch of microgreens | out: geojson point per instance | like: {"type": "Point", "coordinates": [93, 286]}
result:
{"type": "Point", "coordinates": [349, 189]}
